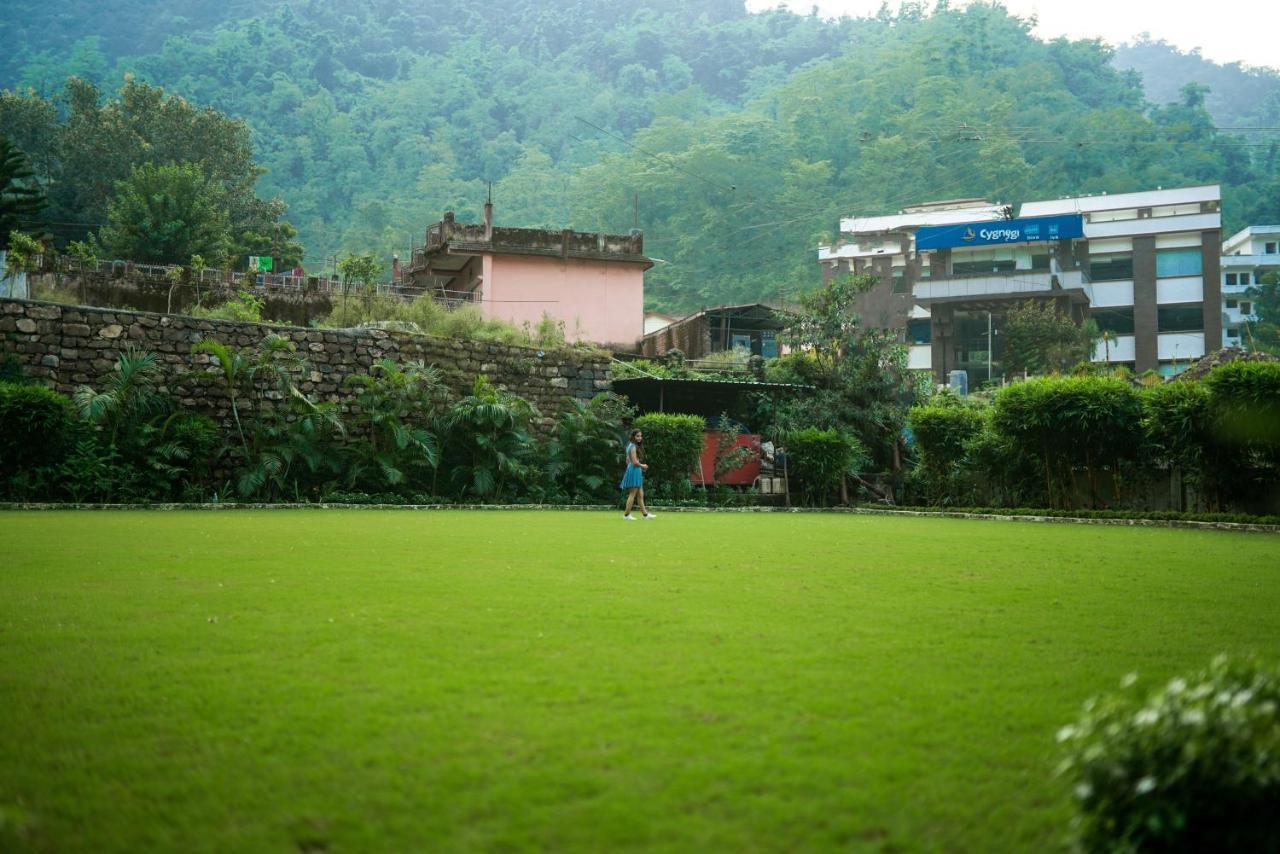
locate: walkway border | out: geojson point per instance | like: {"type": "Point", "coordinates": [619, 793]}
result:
{"type": "Point", "coordinates": [600, 508]}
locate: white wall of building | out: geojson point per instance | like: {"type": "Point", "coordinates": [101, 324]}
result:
{"type": "Point", "coordinates": [1180, 346]}
{"type": "Point", "coordinates": [1122, 349]}
{"type": "Point", "coordinates": [920, 357]}
{"type": "Point", "coordinates": [1180, 289]}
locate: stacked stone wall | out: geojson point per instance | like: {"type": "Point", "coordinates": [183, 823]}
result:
{"type": "Point", "coordinates": [67, 346]}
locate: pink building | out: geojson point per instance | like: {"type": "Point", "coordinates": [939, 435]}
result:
{"type": "Point", "coordinates": [593, 283]}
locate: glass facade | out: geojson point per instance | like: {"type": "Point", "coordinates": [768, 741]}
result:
{"type": "Point", "coordinates": [1118, 320]}
{"type": "Point", "coordinates": [969, 346]}
{"type": "Point", "coordinates": [1111, 268]}
{"type": "Point", "coordinates": [1179, 262]}
{"type": "Point", "coordinates": [919, 331]}
{"type": "Point", "coordinates": [1180, 318]}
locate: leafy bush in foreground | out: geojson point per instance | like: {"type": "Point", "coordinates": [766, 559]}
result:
{"type": "Point", "coordinates": [35, 424]}
{"type": "Point", "coordinates": [1193, 766]}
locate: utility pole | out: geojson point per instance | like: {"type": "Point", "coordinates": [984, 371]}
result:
{"type": "Point", "coordinates": [988, 348]}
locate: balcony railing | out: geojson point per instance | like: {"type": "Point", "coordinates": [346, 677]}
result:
{"type": "Point", "coordinates": [993, 284]}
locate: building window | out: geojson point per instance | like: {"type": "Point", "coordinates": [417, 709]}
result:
{"type": "Point", "coordinates": [1246, 308]}
{"type": "Point", "coordinates": [919, 332]}
{"type": "Point", "coordinates": [1110, 268]}
{"type": "Point", "coordinates": [1179, 262]}
{"type": "Point", "coordinates": [1244, 278]}
{"type": "Point", "coordinates": [1231, 278]}
{"type": "Point", "coordinates": [1233, 332]}
{"type": "Point", "coordinates": [1232, 303]}
{"type": "Point", "coordinates": [1270, 249]}
{"type": "Point", "coordinates": [899, 282]}
{"type": "Point", "coordinates": [983, 261]}
{"type": "Point", "coordinates": [1180, 318]}
{"type": "Point", "coordinates": [1115, 320]}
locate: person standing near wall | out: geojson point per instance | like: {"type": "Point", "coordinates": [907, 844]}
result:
{"type": "Point", "coordinates": [633, 478]}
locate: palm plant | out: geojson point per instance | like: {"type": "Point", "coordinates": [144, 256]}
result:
{"type": "Point", "coordinates": [585, 456]}
{"type": "Point", "coordinates": [129, 397]}
{"type": "Point", "coordinates": [398, 406]}
{"type": "Point", "coordinates": [234, 365]}
{"type": "Point", "coordinates": [487, 429]}
{"type": "Point", "coordinates": [292, 446]}
{"type": "Point", "coordinates": [290, 439]}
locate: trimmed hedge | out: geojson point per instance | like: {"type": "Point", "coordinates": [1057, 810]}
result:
{"type": "Point", "coordinates": [672, 445]}
{"type": "Point", "coordinates": [35, 425]}
{"type": "Point", "coordinates": [820, 459]}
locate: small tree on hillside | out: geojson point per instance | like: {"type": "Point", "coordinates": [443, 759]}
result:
{"type": "Point", "coordinates": [357, 269]}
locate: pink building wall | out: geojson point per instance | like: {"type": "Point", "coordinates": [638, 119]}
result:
{"type": "Point", "coordinates": [599, 301]}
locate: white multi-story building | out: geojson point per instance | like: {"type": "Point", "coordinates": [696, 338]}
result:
{"type": "Point", "coordinates": [1247, 255]}
{"type": "Point", "coordinates": [1145, 266]}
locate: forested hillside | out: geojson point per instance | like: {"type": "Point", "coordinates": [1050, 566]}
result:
{"type": "Point", "coordinates": [1241, 94]}
{"type": "Point", "coordinates": [736, 139]}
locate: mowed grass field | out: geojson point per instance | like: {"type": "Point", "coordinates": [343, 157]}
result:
{"type": "Point", "coordinates": [431, 681]}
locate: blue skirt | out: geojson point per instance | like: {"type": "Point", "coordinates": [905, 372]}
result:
{"type": "Point", "coordinates": [633, 479]}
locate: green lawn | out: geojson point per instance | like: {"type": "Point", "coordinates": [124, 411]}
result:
{"type": "Point", "coordinates": [393, 681]}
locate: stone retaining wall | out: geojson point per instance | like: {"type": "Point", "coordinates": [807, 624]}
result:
{"type": "Point", "coordinates": [133, 291]}
{"type": "Point", "coordinates": [67, 346]}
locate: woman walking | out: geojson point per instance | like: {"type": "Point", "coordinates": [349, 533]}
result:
{"type": "Point", "coordinates": [633, 479]}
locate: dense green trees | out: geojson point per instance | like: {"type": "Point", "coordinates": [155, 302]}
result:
{"type": "Point", "coordinates": [21, 199]}
{"type": "Point", "coordinates": [160, 214]}
{"type": "Point", "coordinates": [83, 147]}
{"type": "Point", "coordinates": [742, 136]}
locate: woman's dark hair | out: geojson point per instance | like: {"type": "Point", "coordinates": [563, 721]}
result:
{"type": "Point", "coordinates": [632, 435]}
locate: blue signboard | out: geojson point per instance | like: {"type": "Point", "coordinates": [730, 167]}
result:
{"type": "Point", "coordinates": [1001, 231]}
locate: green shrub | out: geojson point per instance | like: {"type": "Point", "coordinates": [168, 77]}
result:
{"type": "Point", "coordinates": [1245, 403]}
{"type": "Point", "coordinates": [672, 446]}
{"type": "Point", "coordinates": [584, 459]}
{"type": "Point", "coordinates": [1177, 422]}
{"type": "Point", "coordinates": [943, 431]}
{"type": "Point", "coordinates": [244, 307]}
{"type": "Point", "coordinates": [820, 459]}
{"type": "Point", "coordinates": [1072, 424]}
{"type": "Point", "coordinates": [35, 427]}
{"type": "Point", "coordinates": [1192, 766]}
{"type": "Point", "coordinates": [488, 446]}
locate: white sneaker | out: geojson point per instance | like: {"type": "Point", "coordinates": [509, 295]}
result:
{"type": "Point", "coordinates": [650, 516]}
{"type": "Point", "coordinates": [628, 518]}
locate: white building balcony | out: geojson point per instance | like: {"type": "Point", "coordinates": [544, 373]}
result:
{"type": "Point", "coordinates": [1179, 289]}
{"type": "Point", "coordinates": [1111, 294]}
{"type": "Point", "coordinates": [1180, 346]}
{"type": "Point", "coordinates": [1249, 262]}
{"type": "Point", "coordinates": [997, 284]}
{"type": "Point", "coordinates": [1120, 349]}
{"type": "Point", "coordinates": [1153, 225]}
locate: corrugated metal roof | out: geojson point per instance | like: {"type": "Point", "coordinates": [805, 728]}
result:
{"type": "Point", "coordinates": [715, 382]}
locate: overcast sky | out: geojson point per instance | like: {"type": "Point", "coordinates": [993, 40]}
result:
{"type": "Point", "coordinates": [1224, 30]}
